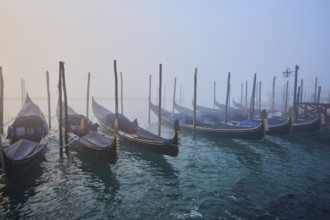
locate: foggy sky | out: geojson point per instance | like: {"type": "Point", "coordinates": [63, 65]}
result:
{"type": "Point", "coordinates": [217, 37]}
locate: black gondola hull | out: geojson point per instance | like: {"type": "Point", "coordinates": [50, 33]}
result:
{"type": "Point", "coordinates": [255, 133]}
{"type": "Point", "coordinates": [170, 149]}
{"type": "Point", "coordinates": [27, 142]}
{"type": "Point", "coordinates": [311, 127]}
{"type": "Point", "coordinates": [108, 154]}
{"type": "Point", "coordinates": [281, 128]}
{"type": "Point", "coordinates": [15, 170]}
{"type": "Point", "coordinates": [140, 138]}
{"type": "Point", "coordinates": [87, 139]}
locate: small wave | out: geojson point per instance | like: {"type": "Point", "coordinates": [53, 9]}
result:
{"type": "Point", "coordinates": [193, 214]}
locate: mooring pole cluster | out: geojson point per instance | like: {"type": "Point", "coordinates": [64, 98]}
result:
{"type": "Point", "coordinates": [1, 100]}
{"type": "Point", "coordinates": [62, 86]}
{"type": "Point", "coordinates": [48, 98]}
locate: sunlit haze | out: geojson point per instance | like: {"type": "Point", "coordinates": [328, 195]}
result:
{"type": "Point", "coordinates": [216, 37]}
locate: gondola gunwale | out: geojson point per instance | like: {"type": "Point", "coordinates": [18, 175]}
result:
{"type": "Point", "coordinates": [15, 169]}
{"type": "Point", "coordinates": [158, 145]}
{"type": "Point", "coordinates": [230, 134]}
{"type": "Point", "coordinates": [311, 126]}
{"type": "Point", "coordinates": [282, 128]}
{"type": "Point", "coordinates": [107, 151]}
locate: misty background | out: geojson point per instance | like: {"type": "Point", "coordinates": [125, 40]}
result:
{"type": "Point", "coordinates": [217, 37]}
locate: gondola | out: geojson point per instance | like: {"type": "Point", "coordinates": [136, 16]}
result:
{"type": "Point", "coordinates": [136, 136]}
{"type": "Point", "coordinates": [276, 125]}
{"type": "Point", "coordinates": [218, 114]}
{"type": "Point", "coordinates": [240, 106]}
{"type": "Point", "coordinates": [269, 111]}
{"type": "Point", "coordinates": [83, 132]}
{"type": "Point", "coordinates": [218, 130]}
{"type": "Point", "coordinates": [279, 126]}
{"type": "Point", "coordinates": [242, 111]}
{"type": "Point", "coordinates": [26, 142]}
{"type": "Point", "coordinates": [235, 114]}
{"type": "Point", "coordinates": [208, 110]}
{"type": "Point", "coordinates": [206, 117]}
{"type": "Point", "coordinates": [312, 126]}
{"type": "Point", "coordinates": [211, 118]}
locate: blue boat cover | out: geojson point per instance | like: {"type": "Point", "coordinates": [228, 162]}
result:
{"type": "Point", "coordinates": [22, 150]}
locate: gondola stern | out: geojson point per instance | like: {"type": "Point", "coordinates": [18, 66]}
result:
{"type": "Point", "coordinates": [264, 121]}
{"type": "Point", "coordinates": [291, 125]}
{"type": "Point", "coordinates": [176, 139]}
{"type": "Point", "coordinates": [115, 147]}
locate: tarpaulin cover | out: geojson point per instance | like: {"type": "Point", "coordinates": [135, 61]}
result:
{"type": "Point", "coordinates": [22, 149]}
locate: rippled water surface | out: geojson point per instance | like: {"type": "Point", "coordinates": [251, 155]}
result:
{"type": "Point", "coordinates": [278, 178]}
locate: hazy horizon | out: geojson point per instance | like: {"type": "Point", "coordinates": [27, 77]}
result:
{"type": "Point", "coordinates": [216, 37]}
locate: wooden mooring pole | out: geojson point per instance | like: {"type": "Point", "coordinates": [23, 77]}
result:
{"type": "Point", "coordinates": [1, 100]}
{"type": "Point", "coordinates": [149, 98]}
{"type": "Point", "coordinates": [251, 115]}
{"type": "Point", "coordinates": [298, 93]}
{"type": "Point", "coordinates": [301, 90]}
{"type": "Point", "coordinates": [259, 96]}
{"type": "Point", "coordinates": [227, 98]}
{"type": "Point", "coordinates": [48, 98]}
{"type": "Point", "coordinates": [116, 125]}
{"type": "Point", "coordinates": [121, 93]}
{"type": "Point", "coordinates": [214, 93]}
{"type": "Point", "coordinates": [174, 94]}
{"type": "Point", "coordinates": [318, 95]}
{"type": "Point", "coordinates": [315, 91]}
{"type": "Point", "coordinates": [246, 94]}
{"type": "Point", "coordinates": [160, 101]}
{"type": "Point", "coordinates": [164, 96]}
{"type": "Point", "coordinates": [286, 98]}
{"type": "Point", "coordinates": [87, 98]}
{"type": "Point", "coordinates": [241, 95]}
{"type": "Point", "coordinates": [60, 122]}
{"type": "Point", "coordinates": [66, 124]}
{"type": "Point", "coordinates": [273, 96]}
{"type": "Point", "coordinates": [295, 100]}
{"type": "Point", "coordinates": [195, 101]}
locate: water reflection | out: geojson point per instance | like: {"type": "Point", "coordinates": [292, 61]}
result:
{"type": "Point", "coordinates": [99, 177]}
{"type": "Point", "coordinates": [280, 177]}
{"type": "Point", "coordinates": [280, 147]}
{"type": "Point", "coordinates": [153, 159]}
{"type": "Point", "coordinates": [148, 183]}
{"type": "Point", "coordinates": [247, 155]}
{"type": "Point", "coordinates": [15, 195]}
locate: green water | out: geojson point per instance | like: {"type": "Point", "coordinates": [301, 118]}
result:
{"type": "Point", "coordinates": [278, 178]}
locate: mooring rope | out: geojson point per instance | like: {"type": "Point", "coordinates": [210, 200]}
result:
{"type": "Point", "coordinates": [3, 163]}
{"type": "Point", "coordinates": [71, 140]}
